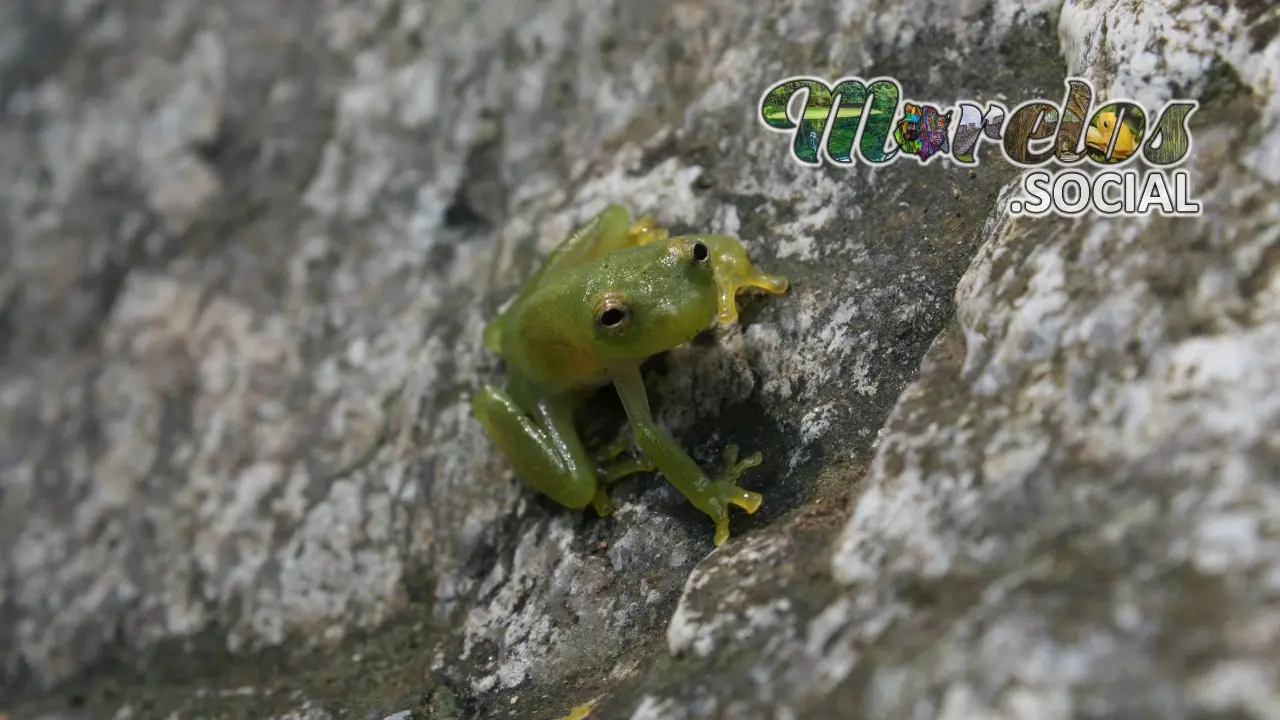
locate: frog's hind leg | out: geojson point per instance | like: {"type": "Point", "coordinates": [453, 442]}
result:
{"type": "Point", "coordinates": [544, 450]}
{"type": "Point", "coordinates": [609, 231]}
{"type": "Point", "coordinates": [646, 230]}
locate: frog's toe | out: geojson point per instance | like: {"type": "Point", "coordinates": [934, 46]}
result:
{"type": "Point", "coordinates": [726, 494]}
{"type": "Point", "coordinates": [646, 230]}
{"type": "Point", "coordinates": [614, 448]}
{"type": "Point", "coordinates": [732, 467]}
{"type": "Point", "coordinates": [724, 491]}
{"type": "Point", "coordinates": [731, 494]}
{"type": "Point", "coordinates": [734, 271]}
{"type": "Point", "coordinates": [727, 311]}
{"type": "Point", "coordinates": [722, 532]}
{"type": "Point", "coordinates": [601, 503]}
{"type": "Point", "coordinates": [769, 282]}
{"type": "Point", "coordinates": [610, 474]}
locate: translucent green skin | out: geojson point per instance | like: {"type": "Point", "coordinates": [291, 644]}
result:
{"type": "Point", "coordinates": [608, 297]}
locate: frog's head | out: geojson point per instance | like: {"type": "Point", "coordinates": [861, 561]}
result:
{"type": "Point", "coordinates": [657, 296]}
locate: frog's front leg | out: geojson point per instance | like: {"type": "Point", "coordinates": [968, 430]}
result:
{"type": "Point", "coordinates": [733, 271]}
{"type": "Point", "coordinates": [713, 496]}
{"type": "Point", "coordinates": [544, 448]}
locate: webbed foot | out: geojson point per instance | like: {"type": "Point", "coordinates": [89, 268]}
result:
{"type": "Point", "coordinates": [615, 447]}
{"type": "Point", "coordinates": [610, 469]}
{"type": "Point", "coordinates": [646, 230]}
{"type": "Point", "coordinates": [609, 474]}
{"type": "Point", "coordinates": [724, 491]}
{"type": "Point", "coordinates": [733, 271]}
{"type": "Point", "coordinates": [601, 503]}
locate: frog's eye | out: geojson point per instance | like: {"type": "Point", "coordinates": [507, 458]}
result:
{"type": "Point", "coordinates": [700, 253]}
{"type": "Point", "coordinates": [613, 315]}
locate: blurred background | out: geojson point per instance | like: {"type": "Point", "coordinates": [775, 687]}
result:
{"type": "Point", "coordinates": [1015, 468]}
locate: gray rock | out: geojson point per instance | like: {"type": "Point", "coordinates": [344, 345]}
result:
{"type": "Point", "coordinates": [1013, 468]}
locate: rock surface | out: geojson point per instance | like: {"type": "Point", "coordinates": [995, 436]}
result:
{"type": "Point", "coordinates": [1013, 467]}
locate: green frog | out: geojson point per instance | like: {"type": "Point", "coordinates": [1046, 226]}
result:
{"type": "Point", "coordinates": [608, 297]}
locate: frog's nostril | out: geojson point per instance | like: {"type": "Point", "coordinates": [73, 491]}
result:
{"type": "Point", "coordinates": [699, 252]}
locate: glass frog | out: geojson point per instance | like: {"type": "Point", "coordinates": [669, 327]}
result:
{"type": "Point", "coordinates": [608, 297]}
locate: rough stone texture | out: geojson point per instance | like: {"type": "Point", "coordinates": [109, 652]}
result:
{"type": "Point", "coordinates": [248, 248]}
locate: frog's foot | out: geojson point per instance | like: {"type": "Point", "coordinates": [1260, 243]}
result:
{"type": "Point", "coordinates": [614, 448]}
{"type": "Point", "coordinates": [724, 491]}
{"type": "Point", "coordinates": [611, 469]}
{"type": "Point", "coordinates": [733, 271]}
{"type": "Point", "coordinates": [610, 474]}
{"type": "Point", "coordinates": [646, 230]}
{"type": "Point", "coordinates": [601, 503]}
{"type": "Point", "coordinates": [622, 468]}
